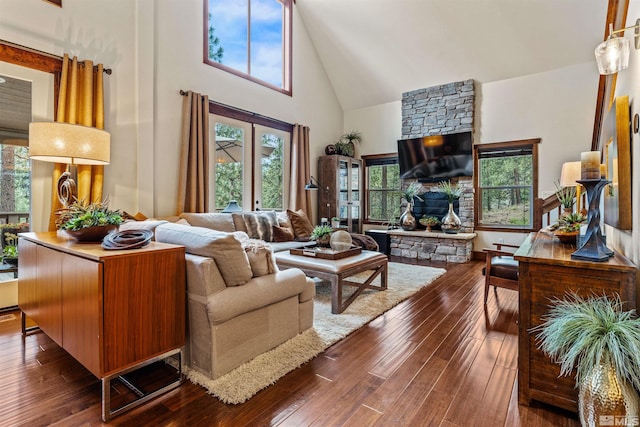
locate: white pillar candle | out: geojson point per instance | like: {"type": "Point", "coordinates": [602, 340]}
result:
{"type": "Point", "coordinates": [590, 165]}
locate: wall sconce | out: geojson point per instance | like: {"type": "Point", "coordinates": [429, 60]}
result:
{"type": "Point", "coordinates": [71, 144]}
{"type": "Point", "coordinates": [612, 55]}
{"type": "Point", "coordinates": [310, 186]}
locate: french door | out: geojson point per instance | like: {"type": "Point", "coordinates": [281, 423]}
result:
{"type": "Point", "coordinates": [249, 164]}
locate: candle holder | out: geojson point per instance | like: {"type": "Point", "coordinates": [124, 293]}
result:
{"type": "Point", "coordinates": [593, 247]}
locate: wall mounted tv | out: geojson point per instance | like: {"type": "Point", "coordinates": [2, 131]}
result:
{"type": "Point", "coordinates": [436, 157]}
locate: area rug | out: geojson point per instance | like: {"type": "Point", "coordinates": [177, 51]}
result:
{"type": "Point", "coordinates": [245, 381]}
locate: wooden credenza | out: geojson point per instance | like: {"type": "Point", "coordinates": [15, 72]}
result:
{"type": "Point", "coordinates": [547, 272]}
{"type": "Point", "coordinates": [112, 311]}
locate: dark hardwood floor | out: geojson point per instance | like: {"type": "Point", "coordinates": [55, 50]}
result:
{"type": "Point", "coordinates": [437, 359]}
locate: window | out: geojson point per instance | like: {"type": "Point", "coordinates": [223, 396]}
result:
{"type": "Point", "coordinates": [382, 188]}
{"type": "Point", "coordinates": [506, 184]}
{"type": "Point", "coordinates": [248, 155]}
{"type": "Point", "coordinates": [250, 38]}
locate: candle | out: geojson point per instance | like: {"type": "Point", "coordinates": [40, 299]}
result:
{"type": "Point", "coordinates": [590, 165]}
{"type": "Point", "coordinates": [603, 171]}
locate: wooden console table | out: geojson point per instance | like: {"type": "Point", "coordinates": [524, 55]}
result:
{"type": "Point", "coordinates": [547, 272]}
{"type": "Point", "coordinates": [113, 311]}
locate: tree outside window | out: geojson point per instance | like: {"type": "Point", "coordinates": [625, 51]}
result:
{"type": "Point", "coordinates": [251, 38]}
{"type": "Point", "coordinates": [382, 188]}
{"type": "Point", "coordinates": [506, 185]}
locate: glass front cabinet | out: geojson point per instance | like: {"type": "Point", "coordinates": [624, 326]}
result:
{"type": "Point", "coordinates": [340, 195]}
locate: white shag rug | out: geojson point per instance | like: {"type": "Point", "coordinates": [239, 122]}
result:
{"type": "Point", "coordinates": [248, 379]}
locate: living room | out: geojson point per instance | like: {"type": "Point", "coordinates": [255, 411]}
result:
{"type": "Point", "coordinates": [154, 49]}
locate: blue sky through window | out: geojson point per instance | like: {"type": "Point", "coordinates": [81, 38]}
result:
{"type": "Point", "coordinates": [229, 20]}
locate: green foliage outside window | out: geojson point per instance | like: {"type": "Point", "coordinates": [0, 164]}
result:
{"type": "Point", "coordinates": [383, 188]}
{"type": "Point", "coordinates": [15, 179]}
{"type": "Point", "coordinates": [505, 190]}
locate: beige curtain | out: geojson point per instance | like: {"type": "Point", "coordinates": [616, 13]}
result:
{"type": "Point", "coordinates": [300, 171]}
{"type": "Point", "coordinates": [193, 189]}
{"type": "Point", "coordinates": [80, 101]}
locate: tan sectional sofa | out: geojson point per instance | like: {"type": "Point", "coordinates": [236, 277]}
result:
{"type": "Point", "coordinates": [239, 304]}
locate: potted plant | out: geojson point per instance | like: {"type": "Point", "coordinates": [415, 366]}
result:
{"type": "Point", "coordinates": [322, 235]}
{"type": "Point", "coordinates": [89, 222]}
{"type": "Point", "coordinates": [413, 190]}
{"type": "Point", "coordinates": [346, 144]}
{"type": "Point", "coordinates": [429, 221]}
{"type": "Point", "coordinates": [568, 227]}
{"type": "Point", "coordinates": [602, 342]}
{"type": "Point", "coordinates": [335, 222]}
{"type": "Point", "coordinates": [10, 250]}
{"type": "Point", "coordinates": [12, 228]}
{"type": "Point", "coordinates": [566, 196]}
{"type": "Point", "coordinates": [450, 222]}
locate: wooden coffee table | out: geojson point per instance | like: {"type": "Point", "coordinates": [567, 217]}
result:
{"type": "Point", "coordinates": [337, 271]}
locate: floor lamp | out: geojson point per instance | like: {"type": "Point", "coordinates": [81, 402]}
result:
{"type": "Point", "coordinates": [313, 185]}
{"type": "Point", "coordinates": [71, 144]}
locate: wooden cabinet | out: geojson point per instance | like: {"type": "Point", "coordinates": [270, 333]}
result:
{"type": "Point", "coordinates": [111, 310]}
{"type": "Point", "coordinates": [341, 195]}
{"type": "Point", "coordinates": [547, 272]}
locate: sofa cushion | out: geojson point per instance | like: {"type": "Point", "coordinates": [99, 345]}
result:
{"type": "Point", "coordinates": [213, 221]}
{"type": "Point", "coordinates": [259, 224]}
{"type": "Point", "coordinates": [282, 234]}
{"type": "Point", "coordinates": [260, 257]}
{"type": "Point", "coordinates": [224, 248]}
{"type": "Point", "coordinates": [302, 227]}
{"type": "Point", "coordinates": [257, 293]}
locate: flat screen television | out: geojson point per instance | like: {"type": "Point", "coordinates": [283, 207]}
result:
{"type": "Point", "coordinates": [436, 157]}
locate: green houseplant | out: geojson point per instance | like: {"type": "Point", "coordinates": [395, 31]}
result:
{"type": "Point", "coordinates": [429, 221]}
{"type": "Point", "coordinates": [602, 342]}
{"type": "Point", "coordinates": [321, 234]}
{"type": "Point", "coordinates": [89, 222]}
{"type": "Point", "coordinates": [566, 196]}
{"type": "Point", "coordinates": [346, 144]}
{"type": "Point", "coordinates": [10, 250]}
{"type": "Point", "coordinates": [568, 227]}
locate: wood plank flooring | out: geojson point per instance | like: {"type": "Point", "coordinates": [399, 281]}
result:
{"type": "Point", "coordinates": [438, 359]}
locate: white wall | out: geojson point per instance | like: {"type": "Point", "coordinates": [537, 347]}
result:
{"type": "Point", "coordinates": [155, 49]}
{"type": "Point", "coordinates": [556, 106]}
{"type": "Point", "coordinates": [628, 242]}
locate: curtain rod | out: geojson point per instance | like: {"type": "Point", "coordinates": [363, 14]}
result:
{"type": "Point", "coordinates": [247, 112]}
{"type": "Point", "coordinates": [40, 52]}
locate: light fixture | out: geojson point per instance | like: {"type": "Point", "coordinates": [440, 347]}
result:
{"type": "Point", "coordinates": [612, 55]}
{"type": "Point", "coordinates": [571, 173]}
{"type": "Point", "coordinates": [71, 144]}
{"type": "Point", "coordinates": [311, 186]}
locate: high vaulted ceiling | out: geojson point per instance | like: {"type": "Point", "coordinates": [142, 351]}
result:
{"type": "Point", "coordinates": [374, 50]}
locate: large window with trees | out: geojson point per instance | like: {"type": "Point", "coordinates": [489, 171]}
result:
{"type": "Point", "coordinates": [250, 38]}
{"type": "Point", "coordinates": [506, 183]}
{"type": "Point", "coordinates": [248, 154]}
{"type": "Point", "coordinates": [382, 188]}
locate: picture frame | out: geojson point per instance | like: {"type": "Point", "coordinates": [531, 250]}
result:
{"type": "Point", "coordinates": [616, 154]}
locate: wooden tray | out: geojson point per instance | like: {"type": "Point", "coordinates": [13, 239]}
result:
{"type": "Point", "coordinates": [326, 253]}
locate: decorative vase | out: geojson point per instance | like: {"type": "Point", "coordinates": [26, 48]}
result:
{"type": "Point", "coordinates": [451, 222]}
{"type": "Point", "coordinates": [603, 396]}
{"type": "Point", "coordinates": [407, 220]}
{"type": "Point", "coordinates": [10, 261]}
{"type": "Point", "coordinates": [91, 234]}
{"type": "Point", "coordinates": [324, 241]}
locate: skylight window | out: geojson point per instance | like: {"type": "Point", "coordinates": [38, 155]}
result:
{"type": "Point", "coordinates": [250, 38]}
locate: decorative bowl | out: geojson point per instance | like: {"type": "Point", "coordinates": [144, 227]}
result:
{"type": "Point", "coordinates": [567, 237]}
{"type": "Point", "coordinates": [91, 234]}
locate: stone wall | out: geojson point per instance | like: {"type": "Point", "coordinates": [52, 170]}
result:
{"type": "Point", "coordinates": [424, 245]}
{"type": "Point", "coordinates": [441, 110]}
{"type": "Point", "coordinates": [438, 110]}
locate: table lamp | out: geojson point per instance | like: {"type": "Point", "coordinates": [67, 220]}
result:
{"type": "Point", "coordinates": [71, 144]}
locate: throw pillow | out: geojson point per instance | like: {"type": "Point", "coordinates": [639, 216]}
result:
{"type": "Point", "coordinates": [141, 225]}
{"type": "Point", "coordinates": [259, 224]}
{"type": "Point", "coordinates": [260, 257]}
{"type": "Point", "coordinates": [302, 227]}
{"type": "Point", "coordinates": [213, 221]}
{"type": "Point", "coordinates": [282, 234]}
{"type": "Point", "coordinates": [224, 248]}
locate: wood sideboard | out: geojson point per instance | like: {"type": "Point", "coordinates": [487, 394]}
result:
{"type": "Point", "coordinates": [112, 310]}
{"type": "Point", "coordinates": [546, 271]}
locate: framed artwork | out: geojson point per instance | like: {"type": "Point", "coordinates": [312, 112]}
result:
{"type": "Point", "coordinates": [616, 153]}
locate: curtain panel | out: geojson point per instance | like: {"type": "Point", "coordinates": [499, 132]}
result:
{"type": "Point", "coordinates": [299, 198]}
{"type": "Point", "coordinates": [193, 184]}
{"type": "Point", "coordinates": [81, 102]}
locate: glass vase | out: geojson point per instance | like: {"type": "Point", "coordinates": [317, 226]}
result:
{"type": "Point", "coordinates": [451, 222]}
{"type": "Point", "coordinates": [407, 220]}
